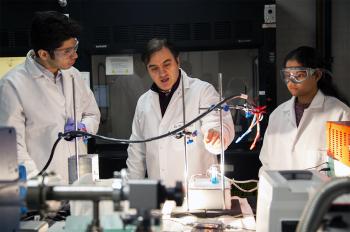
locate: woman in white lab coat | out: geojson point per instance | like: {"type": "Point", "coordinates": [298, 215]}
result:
{"type": "Point", "coordinates": [36, 97]}
{"type": "Point", "coordinates": [296, 134]}
{"type": "Point", "coordinates": [164, 159]}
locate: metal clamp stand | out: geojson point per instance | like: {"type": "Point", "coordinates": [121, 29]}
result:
{"type": "Point", "coordinates": [222, 154]}
{"type": "Point", "coordinates": [144, 222]}
{"type": "Point", "coordinates": [95, 225]}
{"type": "Point", "coordinates": [76, 139]}
{"type": "Point", "coordinates": [185, 142]}
{"type": "Point", "coordinates": [222, 160]}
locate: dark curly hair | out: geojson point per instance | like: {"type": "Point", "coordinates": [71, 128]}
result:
{"type": "Point", "coordinates": [50, 29]}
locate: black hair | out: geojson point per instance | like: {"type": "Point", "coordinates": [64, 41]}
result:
{"type": "Point", "coordinates": [309, 57]}
{"type": "Point", "coordinates": [50, 29]}
{"type": "Point", "coordinates": [155, 45]}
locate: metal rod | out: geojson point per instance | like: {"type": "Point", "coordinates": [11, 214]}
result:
{"type": "Point", "coordinates": [95, 222]}
{"type": "Point", "coordinates": [222, 163]}
{"type": "Point", "coordinates": [185, 142]}
{"type": "Point", "coordinates": [76, 139]}
{"type": "Point", "coordinates": [81, 193]}
{"type": "Point", "coordinates": [231, 107]}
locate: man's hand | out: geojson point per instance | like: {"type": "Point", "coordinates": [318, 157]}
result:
{"type": "Point", "coordinates": [212, 141]}
{"type": "Point", "coordinates": [212, 136]}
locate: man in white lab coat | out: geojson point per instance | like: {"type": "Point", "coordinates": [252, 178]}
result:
{"type": "Point", "coordinates": [36, 97]}
{"type": "Point", "coordinates": [160, 110]}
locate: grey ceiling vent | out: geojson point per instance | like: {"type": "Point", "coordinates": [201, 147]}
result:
{"type": "Point", "coordinates": [13, 39]}
{"type": "Point", "coordinates": [102, 35]}
{"type": "Point", "coordinates": [202, 31]}
{"type": "Point", "coordinates": [21, 38]}
{"type": "Point", "coordinates": [161, 31]}
{"type": "Point", "coordinates": [181, 32]}
{"type": "Point", "coordinates": [222, 30]}
{"type": "Point", "coordinates": [142, 33]}
{"type": "Point", "coordinates": [4, 40]}
{"type": "Point", "coordinates": [122, 34]}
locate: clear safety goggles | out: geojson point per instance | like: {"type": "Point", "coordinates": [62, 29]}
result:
{"type": "Point", "coordinates": [67, 52]}
{"type": "Point", "coordinates": [296, 74]}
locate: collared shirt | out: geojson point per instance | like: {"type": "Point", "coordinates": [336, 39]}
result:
{"type": "Point", "coordinates": [57, 80]}
{"type": "Point", "coordinates": [165, 97]}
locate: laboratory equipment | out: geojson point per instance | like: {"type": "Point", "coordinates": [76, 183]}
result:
{"type": "Point", "coordinates": [222, 151]}
{"type": "Point", "coordinates": [206, 195]}
{"type": "Point", "coordinates": [134, 191]}
{"type": "Point", "coordinates": [88, 163]}
{"type": "Point", "coordinates": [318, 206]}
{"type": "Point", "coordinates": [76, 142]}
{"type": "Point", "coordinates": [338, 146]}
{"type": "Point", "coordinates": [10, 201]}
{"type": "Point", "coordinates": [35, 193]}
{"type": "Point", "coordinates": [282, 197]}
{"type": "Point", "coordinates": [185, 142]}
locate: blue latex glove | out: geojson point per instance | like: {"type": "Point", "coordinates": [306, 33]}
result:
{"type": "Point", "coordinates": [70, 126]}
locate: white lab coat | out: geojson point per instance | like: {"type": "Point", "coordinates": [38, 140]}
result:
{"type": "Point", "coordinates": [38, 110]}
{"type": "Point", "coordinates": [164, 159]}
{"type": "Point", "coordinates": [287, 146]}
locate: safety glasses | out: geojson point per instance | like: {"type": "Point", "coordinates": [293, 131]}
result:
{"type": "Point", "coordinates": [296, 74]}
{"type": "Point", "coordinates": [67, 52]}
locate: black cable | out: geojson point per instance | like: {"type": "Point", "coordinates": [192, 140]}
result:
{"type": "Point", "coordinates": [314, 167]}
{"type": "Point", "coordinates": [72, 134]}
{"type": "Point", "coordinates": [51, 155]}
